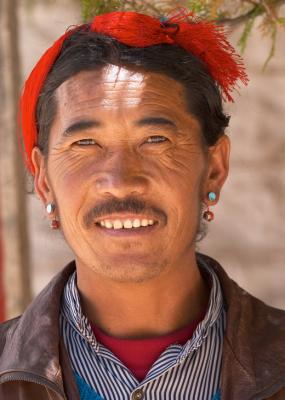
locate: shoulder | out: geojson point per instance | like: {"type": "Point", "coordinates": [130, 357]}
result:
{"type": "Point", "coordinates": [40, 318]}
{"type": "Point", "coordinates": [241, 303]}
{"type": "Point", "coordinates": [260, 327]}
{"type": "Point", "coordinates": [254, 342]}
{"type": "Point", "coordinates": [6, 330]}
{"type": "Point", "coordinates": [253, 360]}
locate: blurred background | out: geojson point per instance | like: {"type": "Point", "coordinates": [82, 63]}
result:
{"type": "Point", "coordinates": [248, 234]}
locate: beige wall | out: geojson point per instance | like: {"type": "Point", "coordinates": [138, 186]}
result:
{"type": "Point", "coordinates": [247, 235]}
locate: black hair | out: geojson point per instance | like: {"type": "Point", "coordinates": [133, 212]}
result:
{"type": "Point", "coordinates": [85, 50]}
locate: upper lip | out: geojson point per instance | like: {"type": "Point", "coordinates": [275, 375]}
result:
{"type": "Point", "coordinates": [124, 216]}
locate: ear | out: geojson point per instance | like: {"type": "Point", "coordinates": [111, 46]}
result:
{"type": "Point", "coordinates": [41, 184]}
{"type": "Point", "coordinates": [218, 167]}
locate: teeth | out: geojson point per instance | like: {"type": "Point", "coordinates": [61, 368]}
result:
{"type": "Point", "coordinates": [117, 224]}
{"type": "Point", "coordinates": [136, 223]}
{"type": "Point", "coordinates": [127, 224]}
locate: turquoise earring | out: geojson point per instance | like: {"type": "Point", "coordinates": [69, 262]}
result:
{"type": "Point", "coordinates": [212, 196]}
{"type": "Point", "coordinates": [209, 215]}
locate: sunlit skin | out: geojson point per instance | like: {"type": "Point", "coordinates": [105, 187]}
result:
{"type": "Point", "coordinates": [102, 152]}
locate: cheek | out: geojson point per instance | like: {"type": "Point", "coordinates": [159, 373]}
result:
{"type": "Point", "coordinates": [68, 170]}
{"type": "Point", "coordinates": [68, 180]}
{"type": "Point", "coordinates": [183, 165]}
{"type": "Point", "coordinates": [186, 173]}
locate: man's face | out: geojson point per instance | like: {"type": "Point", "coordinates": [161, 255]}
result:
{"type": "Point", "coordinates": [123, 146]}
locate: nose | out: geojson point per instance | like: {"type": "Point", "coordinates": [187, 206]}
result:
{"type": "Point", "coordinates": [122, 175]}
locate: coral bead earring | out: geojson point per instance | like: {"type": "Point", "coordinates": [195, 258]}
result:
{"type": "Point", "coordinates": [209, 215]}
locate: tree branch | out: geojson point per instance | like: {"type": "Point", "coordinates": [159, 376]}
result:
{"type": "Point", "coordinates": [244, 17]}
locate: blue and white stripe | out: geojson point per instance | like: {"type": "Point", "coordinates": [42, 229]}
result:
{"type": "Point", "coordinates": [184, 372]}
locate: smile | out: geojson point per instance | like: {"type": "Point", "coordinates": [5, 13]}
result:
{"type": "Point", "coordinates": [127, 227]}
{"type": "Point", "coordinates": [126, 223]}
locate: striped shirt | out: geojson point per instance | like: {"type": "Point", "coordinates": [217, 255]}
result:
{"type": "Point", "coordinates": [190, 371]}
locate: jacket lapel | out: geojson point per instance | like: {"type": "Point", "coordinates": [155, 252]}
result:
{"type": "Point", "coordinates": [33, 340]}
{"type": "Point", "coordinates": [253, 365]}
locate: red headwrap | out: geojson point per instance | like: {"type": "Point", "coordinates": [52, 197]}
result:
{"type": "Point", "coordinates": [204, 39]}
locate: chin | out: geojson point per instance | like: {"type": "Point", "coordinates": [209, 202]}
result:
{"type": "Point", "coordinates": [126, 271]}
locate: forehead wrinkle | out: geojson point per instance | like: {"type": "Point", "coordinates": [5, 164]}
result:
{"type": "Point", "coordinates": [95, 93]}
{"type": "Point", "coordinates": [128, 87]}
{"type": "Point", "coordinates": [130, 78]}
{"type": "Point", "coordinates": [164, 109]}
{"type": "Point", "coordinates": [87, 106]}
{"type": "Point", "coordinates": [151, 89]}
{"type": "Point", "coordinates": [76, 98]}
{"type": "Point", "coordinates": [153, 95]}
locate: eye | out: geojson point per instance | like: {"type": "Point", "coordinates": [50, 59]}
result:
{"type": "Point", "coordinates": [85, 142]}
{"type": "Point", "coordinates": [156, 139]}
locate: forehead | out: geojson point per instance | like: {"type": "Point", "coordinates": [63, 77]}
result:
{"type": "Point", "coordinates": [114, 87]}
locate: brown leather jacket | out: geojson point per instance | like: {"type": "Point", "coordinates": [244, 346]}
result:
{"type": "Point", "coordinates": [34, 363]}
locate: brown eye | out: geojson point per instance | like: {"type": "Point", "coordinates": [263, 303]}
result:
{"type": "Point", "coordinates": [85, 142]}
{"type": "Point", "coordinates": [156, 139]}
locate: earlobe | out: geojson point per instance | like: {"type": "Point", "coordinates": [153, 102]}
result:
{"type": "Point", "coordinates": [41, 184]}
{"type": "Point", "coordinates": [218, 168]}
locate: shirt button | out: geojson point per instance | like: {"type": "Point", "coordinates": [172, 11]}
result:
{"type": "Point", "coordinates": [137, 395]}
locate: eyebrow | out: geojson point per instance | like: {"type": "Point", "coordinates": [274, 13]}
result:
{"type": "Point", "coordinates": [81, 126]}
{"type": "Point", "coordinates": [88, 124]}
{"type": "Point", "coordinates": [155, 121]}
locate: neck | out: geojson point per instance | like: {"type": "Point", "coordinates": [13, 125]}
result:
{"type": "Point", "coordinates": [156, 307]}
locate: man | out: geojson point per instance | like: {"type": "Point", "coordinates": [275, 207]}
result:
{"type": "Point", "coordinates": [124, 133]}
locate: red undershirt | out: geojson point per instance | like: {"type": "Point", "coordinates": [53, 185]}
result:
{"type": "Point", "coordinates": [140, 354]}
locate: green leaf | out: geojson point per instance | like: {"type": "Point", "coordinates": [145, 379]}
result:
{"type": "Point", "coordinates": [242, 42]}
{"type": "Point", "coordinates": [272, 49]}
{"type": "Point", "coordinates": [281, 20]}
{"type": "Point", "coordinates": [248, 25]}
{"type": "Point", "coordinates": [90, 8]}
{"type": "Point", "coordinates": [201, 8]}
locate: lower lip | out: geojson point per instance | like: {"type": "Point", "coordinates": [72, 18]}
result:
{"type": "Point", "coordinates": [131, 232]}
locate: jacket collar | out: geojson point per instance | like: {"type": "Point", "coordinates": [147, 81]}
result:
{"type": "Point", "coordinates": [32, 340]}
{"type": "Point", "coordinates": [254, 350]}
{"type": "Point", "coordinates": [253, 354]}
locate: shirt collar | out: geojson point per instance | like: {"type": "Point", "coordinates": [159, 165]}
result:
{"type": "Point", "coordinates": [72, 311]}
{"type": "Point", "coordinates": [214, 310]}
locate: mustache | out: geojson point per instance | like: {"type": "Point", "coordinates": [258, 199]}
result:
{"type": "Point", "coordinates": [129, 204]}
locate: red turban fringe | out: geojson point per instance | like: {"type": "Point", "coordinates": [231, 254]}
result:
{"type": "Point", "coordinates": [203, 39]}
